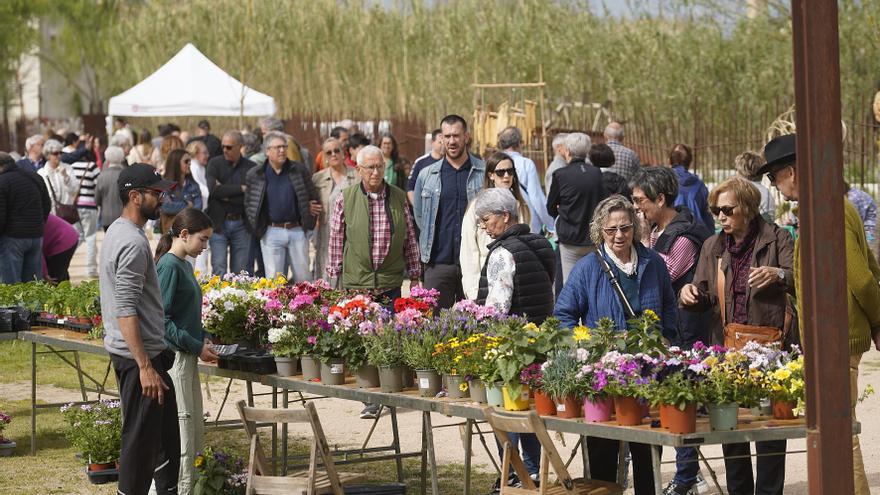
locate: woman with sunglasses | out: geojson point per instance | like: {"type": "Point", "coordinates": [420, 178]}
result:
{"type": "Point", "coordinates": [187, 192]}
{"type": "Point", "coordinates": [329, 182]}
{"type": "Point", "coordinates": [756, 258]}
{"type": "Point", "coordinates": [500, 172]}
{"type": "Point", "coordinates": [620, 280]}
{"type": "Point", "coordinates": [59, 177]}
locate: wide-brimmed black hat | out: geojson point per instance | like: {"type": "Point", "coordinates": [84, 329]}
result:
{"type": "Point", "coordinates": [781, 150]}
{"type": "Point", "coordinates": [142, 176]}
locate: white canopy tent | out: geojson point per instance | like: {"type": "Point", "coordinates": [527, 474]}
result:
{"type": "Point", "coordinates": [190, 84]}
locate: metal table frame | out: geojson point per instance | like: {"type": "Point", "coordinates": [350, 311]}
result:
{"type": "Point", "coordinates": [757, 430]}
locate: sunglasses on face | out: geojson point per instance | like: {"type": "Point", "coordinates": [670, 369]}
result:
{"type": "Point", "coordinates": [501, 172]}
{"type": "Point", "coordinates": [228, 147]}
{"type": "Point", "coordinates": [55, 153]}
{"type": "Point", "coordinates": [155, 192]}
{"type": "Point", "coordinates": [334, 151]}
{"type": "Point", "coordinates": [623, 229]}
{"type": "Point", "coordinates": [727, 210]}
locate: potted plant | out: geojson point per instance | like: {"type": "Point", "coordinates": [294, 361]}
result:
{"type": "Point", "coordinates": [477, 363]}
{"type": "Point", "coordinates": [287, 345]}
{"type": "Point", "coordinates": [6, 445]}
{"type": "Point", "coordinates": [787, 392]}
{"type": "Point", "coordinates": [522, 344]}
{"type": "Point", "coordinates": [532, 377]}
{"type": "Point", "coordinates": [591, 377]}
{"type": "Point", "coordinates": [348, 320]}
{"type": "Point", "coordinates": [219, 473]}
{"type": "Point", "coordinates": [447, 356]}
{"type": "Point", "coordinates": [95, 430]}
{"type": "Point", "coordinates": [384, 349]}
{"type": "Point", "coordinates": [677, 390]}
{"type": "Point", "coordinates": [418, 353]}
{"type": "Point", "coordinates": [225, 315]}
{"type": "Point", "coordinates": [730, 384]}
{"type": "Point", "coordinates": [559, 381]}
{"type": "Point", "coordinates": [629, 377]}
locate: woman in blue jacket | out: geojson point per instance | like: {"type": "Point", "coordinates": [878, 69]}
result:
{"type": "Point", "coordinates": [588, 296]}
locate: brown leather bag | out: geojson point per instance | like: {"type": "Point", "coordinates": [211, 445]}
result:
{"type": "Point", "coordinates": [737, 335]}
{"type": "Point", "coordinates": [68, 213]}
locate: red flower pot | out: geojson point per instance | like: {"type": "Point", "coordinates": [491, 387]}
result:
{"type": "Point", "coordinates": [569, 407]}
{"type": "Point", "coordinates": [678, 421]}
{"type": "Point", "coordinates": [783, 410]}
{"type": "Point", "coordinates": [629, 411]}
{"type": "Point", "coordinates": [544, 404]}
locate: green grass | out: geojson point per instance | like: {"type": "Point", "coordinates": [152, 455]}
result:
{"type": "Point", "coordinates": [55, 469]}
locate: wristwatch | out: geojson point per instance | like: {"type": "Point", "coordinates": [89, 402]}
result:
{"type": "Point", "coordinates": [780, 273]}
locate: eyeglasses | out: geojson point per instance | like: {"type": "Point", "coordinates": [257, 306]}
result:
{"type": "Point", "coordinates": [772, 175]}
{"type": "Point", "coordinates": [727, 210]}
{"type": "Point", "coordinates": [482, 221]}
{"type": "Point", "coordinates": [228, 147]}
{"type": "Point", "coordinates": [501, 172]}
{"type": "Point", "coordinates": [55, 153]}
{"type": "Point", "coordinates": [334, 151]}
{"type": "Point", "coordinates": [623, 229]}
{"type": "Point", "coordinates": [373, 169]}
{"type": "Point", "coordinates": [155, 192]}
{"type": "Point", "coordinates": [278, 147]}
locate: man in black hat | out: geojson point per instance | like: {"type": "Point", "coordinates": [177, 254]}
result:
{"type": "Point", "coordinates": [24, 206]}
{"type": "Point", "coordinates": [134, 328]}
{"type": "Point", "coordinates": [862, 275]}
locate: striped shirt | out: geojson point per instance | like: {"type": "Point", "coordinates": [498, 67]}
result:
{"type": "Point", "coordinates": [86, 173]}
{"type": "Point", "coordinates": [681, 257]}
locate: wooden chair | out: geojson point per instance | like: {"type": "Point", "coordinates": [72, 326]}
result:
{"type": "Point", "coordinates": [307, 482]}
{"type": "Point", "coordinates": [504, 423]}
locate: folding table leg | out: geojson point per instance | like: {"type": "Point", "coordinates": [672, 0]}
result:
{"type": "Point", "coordinates": [432, 459]}
{"type": "Point", "coordinates": [655, 464]}
{"type": "Point", "coordinates": [33, 398]}
{"type": "Point", "coordinates": [468, 428]}
{"type": "Point", "coordinates": [79, 375]}
{"type": "Point", "coordinates": [396, 444]}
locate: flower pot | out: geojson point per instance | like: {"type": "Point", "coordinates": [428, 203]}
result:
{"type": "Point", "coordinates": [102, 473]}
{"type": "Point", "coordinates": [333, 372]}
{"type": "Point", "coordinates": [407, 377]}
{"type": "Point", "coordinates": [456, 387]}
{"type": "Point", "coordinates": [764, 409]}
{"type": "Point", "coordinates": [598, 410]}
{"type": "Point", "coordinates": [6, 448]}
{"type": "Point", "coordinates": [494, 395]}
{"type": "Point", "coordinates": [367, 376]}
{"type": "Point", "coordinates": [544, 404]}
{"type": "Point", "coordinates": [429, 382]}
{"type": "Point", "coordinates": [569, 407]}
{"type": "Point", "coordinates": [629, 411]}
{"type": "Point", "coordinates": [678, 421]}
{"type": "Point", "coordinates": [723, 417]}
{"type": "Point", "coordinates": [287, 366]}
{"type": "Point", "coordinates": [311, 367]}
{"type": "Point", "coordinates": [783, 409]}
{"type": "Point", "coordinates": [516, 403]}
{"type": "Point", "coordinates": [389, 379]}
{"type": "Point", "coordinates": [477, 390]}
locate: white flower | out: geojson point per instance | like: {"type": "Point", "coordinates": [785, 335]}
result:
{"type": "Point", "coordinates": [229, 305]}
{"type": "Point", "coordinates": [275, 334]}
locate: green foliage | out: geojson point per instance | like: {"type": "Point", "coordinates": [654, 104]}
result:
{"type": "Point", "coordinates": [418, 349]}
{"type": "Point", "coordinates": [523, 344]}
{"type": "Point", "coordinates": [384, 347]}
{"type": "Point", "coordinates": [675, 390]}
{"type": "Point", "coordinates": [219, 473]}
{"type": "Point", "coordinates": [95, 430]}
{"type": "Point", "coordinates": [559, 378]}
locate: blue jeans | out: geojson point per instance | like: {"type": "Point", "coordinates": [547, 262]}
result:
{"type": "Point", "coordinates": [21, 260]}
{"type": "Point", "coordinates": [686, 466]}
{"type": "Point", "coordinates": [286, 248]}
{"type": "Point", "coordinates": [232, 245]}
{"type": "Point", "coordinates": [530, 447]}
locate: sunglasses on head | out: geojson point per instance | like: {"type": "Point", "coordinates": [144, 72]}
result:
{"type": "Point", "coordinates": [727, 210]}
{"type": "Point", "coordinates": [501, 172]}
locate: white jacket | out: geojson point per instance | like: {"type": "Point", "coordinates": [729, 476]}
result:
{"type": "Point", "coordinates": [65, 186]}
{"type": "Point", "coordinates": [473, 253]}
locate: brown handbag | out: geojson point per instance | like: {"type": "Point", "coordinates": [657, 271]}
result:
{"type": "Point", "coordinates": [737, 335]}
{"type": "Point", "coordinates": [68, 213]}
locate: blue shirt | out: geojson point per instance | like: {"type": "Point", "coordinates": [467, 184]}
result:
{"type": "Point", "coordinates": [417, 167]}
{"type": "Point", "coordinates": [280, 196]}
{"type": "Point", "coordinates": [453, 203]}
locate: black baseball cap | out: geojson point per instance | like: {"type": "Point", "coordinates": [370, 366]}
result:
{"type": "Point", "coordinates": [142, 176]}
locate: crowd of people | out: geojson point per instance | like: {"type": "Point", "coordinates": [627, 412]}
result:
{"type": "Point", "coordinates": [611, 238]}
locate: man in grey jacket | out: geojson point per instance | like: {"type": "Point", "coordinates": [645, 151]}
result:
{"type": "Point", "coordinates": [134, 325]}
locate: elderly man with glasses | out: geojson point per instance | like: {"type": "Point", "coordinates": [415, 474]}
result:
{"type": "Point", "coordinates": [282, 206]}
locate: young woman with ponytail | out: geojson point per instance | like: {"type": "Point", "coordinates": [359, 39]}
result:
{"type": "Point", "coordinates": [184, 333]}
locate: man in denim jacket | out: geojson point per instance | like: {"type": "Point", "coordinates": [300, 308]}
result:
{"type": "Point", "coordinates": [441, 196]}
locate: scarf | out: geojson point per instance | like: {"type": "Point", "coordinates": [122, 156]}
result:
{"type": "Point", "coordinates": [628, 268]}
{"type": "Point", "coordinates": [740, 260]}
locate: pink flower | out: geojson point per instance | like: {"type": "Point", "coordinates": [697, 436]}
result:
{"type": "Point", "coordinates": [312, 340]}
{"type": "Point", "coordinates": [300, 301]}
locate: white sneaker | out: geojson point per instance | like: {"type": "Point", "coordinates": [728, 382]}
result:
{"type": "Point", "coordinates": [701, 486]}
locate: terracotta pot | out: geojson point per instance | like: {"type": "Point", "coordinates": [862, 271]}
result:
{"type": "Point", "coordinates": [569, 407]}
{"type": "Point", "coordinates": [629, 411]}
{"type": "Point", "coordinates": [678, 421]}
{"type": "Point", "coordinates": [664, 420]}
{"type": "Point", "coordinates": [544, 404]}
{"type": "Point", "coordinates": [599, 410]}
{"type": "Point", "coordinates": [784, 410]}
{"type": "Point", "coordinates": [95, 466]}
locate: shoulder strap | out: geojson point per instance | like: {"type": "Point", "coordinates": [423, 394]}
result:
{"type": "Point", "coordinates": [52, 190]}
{"type": "Point", "coordinates": [719, 281]}
{"type": "Point", "coordinates": [627, 307]}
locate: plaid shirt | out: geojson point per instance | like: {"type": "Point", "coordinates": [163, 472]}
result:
{"type": "Point", "coordinates": [626, 161]}
{"type": "Point", "coordinates": [380, 229]}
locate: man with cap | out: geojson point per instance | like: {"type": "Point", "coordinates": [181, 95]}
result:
{"type": "Point", "coordinates": [134, 327]}
{"type": "Point", "coordinates": [24, 206]}
{"type": "Point", "coordinates": [862, 275]}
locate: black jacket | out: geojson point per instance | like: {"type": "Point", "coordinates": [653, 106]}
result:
{"type": "Point", "coordinates": [255, 205]}
{"type": "Point", "coordinates": [224, 188]}
{"type": "Point", "coordinates": [535, 270]}
{"type": "Point", "coordinates": [576, 191]}
{"type": "Point", "coordinates": [24, 204]}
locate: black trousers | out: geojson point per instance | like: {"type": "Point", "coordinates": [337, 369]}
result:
{"type": "Point", "coordinates": [771, 468]}
{"type": "Point", "coordinates": [57, 266]}
{"type": "Point", "coordinates": [150, 433]}
{"type": "Point", "coordinates": [447, 280]}
{"type": "Point", "coordinates": [603, 463]}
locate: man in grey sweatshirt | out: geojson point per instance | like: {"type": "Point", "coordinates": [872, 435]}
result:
{"type": "Point", "coordinates": [134, 327]}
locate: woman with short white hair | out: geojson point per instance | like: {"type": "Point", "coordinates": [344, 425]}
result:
{"type": "Point", "coordinates": [59, 177]}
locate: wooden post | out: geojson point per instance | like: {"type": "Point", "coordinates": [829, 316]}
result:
{"type": "Point", "coordinates": [543, 125]}
{"type": "Point", "coordinates": [823, 271]}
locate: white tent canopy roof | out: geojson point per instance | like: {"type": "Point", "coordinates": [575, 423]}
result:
{"type": "Point", "coordinates": [190, 85]}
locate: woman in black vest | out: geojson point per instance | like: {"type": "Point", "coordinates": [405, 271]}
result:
{"type": "Point", "coordinates": [518, 275]}
{"type": "Point", "coordinates": [516, 279]}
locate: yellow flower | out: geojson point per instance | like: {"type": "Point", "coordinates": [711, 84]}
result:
{"type": "Point", "coordinates": [532, 341]}
{"type": "Point", "coordinates": [796, 365]}
{"type": "Point", "coordinates": [710, 361]}
{"type": "Point", "coordinates": [531, 327]}
{"type": "Point", "coordinates": [651, 315]}
{"type": "Point", "coordinates": [199, 461]}
{"type": "Point", "coordinates": [456, 359]}
{"type": "Point", "coordinates": [581, 333]}
{"type": "Point", "coordinates": [463, 386]}
{"type": "Point", "coordinates": [781, 374]}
